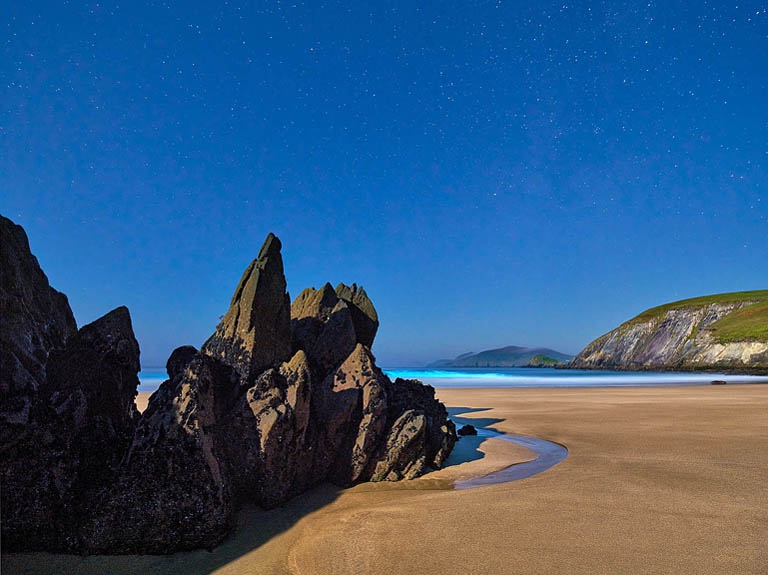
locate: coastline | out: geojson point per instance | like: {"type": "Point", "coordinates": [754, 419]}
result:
{"type": "Point", "coordinates": [659, 479]}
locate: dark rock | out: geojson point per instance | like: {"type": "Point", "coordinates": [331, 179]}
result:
{"type": "Point", "coordinates": [467, 430]}
{"type": "Point", "coordinates": [101, 365]}
{"type": "Point", "coordinates": [404, 452]}
{"type": "Point", "coordinates": [321, 325]}
{"type": "Point", "coordinates": [83, 423]}
{"type": "Point", "coordinates": [179, 360]}
{"type": "Point", "coordinates": [354, 415]}
{"type": "Point", "coordinates": [268, 432]}
{"type": "Point", "coordinates": [364, 316]}
{"type": "Point", "coordinates": [439, 431]}
{"type": "Point", "coordinates": [175, 491]}
{"type": "Point", "coordinates": [718, 382]}
{"type": "Point", "coordinates": [255, 333]}
{"type": "Point", "coordinates": [36, 319]}
{"type": "Point", "coordinates": [239, 421]}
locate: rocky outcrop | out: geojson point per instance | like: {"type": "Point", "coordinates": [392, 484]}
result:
{"type": "Point", "coordinates": [81, 424]}
{"type": "Point", "coordinates": [279, 399]}
{"type": "Point", "coordinates": [179, 360]}
{"type": "Point", "coordinates": [364, 316]}
{"type": "Point", "coordinates": [272, 422]}
{"type": "Point", "coordinates": [36, 319]}
{"type": "Point", "coordinates": [680, 336]}
{"type": "Point", "coordinates": [175, 491]}
{"type": "Point", "coordinates": [321, 325]}
{"type": "Point", "coordinates": [408, 453]}
{"type": "Point", "coordinates": [225, 429]}
{"type": "Point", "coordinates": [255, 333]}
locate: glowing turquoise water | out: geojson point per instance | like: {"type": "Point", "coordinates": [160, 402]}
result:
{"type": "Point", "coordinates": [151, 378]}
{"type": "Point", "coordinates": [549, 377]}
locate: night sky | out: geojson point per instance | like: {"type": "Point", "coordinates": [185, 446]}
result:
{"type": "Point", "coordinates": [493, 173]}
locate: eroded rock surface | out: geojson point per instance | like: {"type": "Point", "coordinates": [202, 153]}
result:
{"type": "Point", "coordinates": [36, 319]}
{"type": "Point", "coordinates": [279, 399]}
{"type": "Point", "coordinates": [322, 326]}
{"type": "Point", "coordinates": [175, 490]}
{"type": "Point", "coordinates": [364, 316]}
{"type": "Point", "coordinates": [255, 333]}
{"type": "Point", "coordinates": [81, 424]}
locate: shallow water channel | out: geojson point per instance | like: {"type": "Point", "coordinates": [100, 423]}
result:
{"type": "Point", "coordinates": [548, 453]}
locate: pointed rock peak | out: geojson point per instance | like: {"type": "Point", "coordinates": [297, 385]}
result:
{"type": "Point", "coordinates": [35, 319]}
{"type": "Point", "coordinates": [356, 294]}
{"type": "Point", "coordinates": [117, 319]}
{"type": "Point", "coordinates": [269, 260]}
{"type": "Point", "coordinates": [255, 333]}
{"type": "Point", "coordinates": [271, 247]}
{"type": "Point", "coordinates": [346, 292]}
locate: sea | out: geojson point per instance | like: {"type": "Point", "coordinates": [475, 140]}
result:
{"type": "Point", "coordinates": [521, 377]}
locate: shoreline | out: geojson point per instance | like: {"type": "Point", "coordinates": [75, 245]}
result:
{"type": "Point", "coordinates": [657, 480]}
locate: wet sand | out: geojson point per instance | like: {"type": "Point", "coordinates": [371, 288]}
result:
{"type": "Point", "coordinates": [657, 480]}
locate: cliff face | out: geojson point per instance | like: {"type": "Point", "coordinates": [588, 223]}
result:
{"type": "Point", "coordinates": [682, 336]}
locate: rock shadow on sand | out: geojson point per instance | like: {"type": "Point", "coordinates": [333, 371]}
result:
{"type": "Point", "coordinates": [255, 528]}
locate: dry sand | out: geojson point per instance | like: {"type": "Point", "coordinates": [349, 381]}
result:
{"type": "Point", "coordinates": [658, 480]}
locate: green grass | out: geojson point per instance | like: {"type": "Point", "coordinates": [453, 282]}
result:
{"type": "Point", "coordinates": [541, 359]}
{"type": "Point", "coordinates": [659, 311]}
{"type": "Point", "coordinates": [746, 324]}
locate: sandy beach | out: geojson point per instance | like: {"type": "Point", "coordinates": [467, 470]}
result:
{"type": "Point", "coordinates": [657, 480]}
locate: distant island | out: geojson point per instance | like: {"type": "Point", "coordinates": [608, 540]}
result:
{"type": "Point", "coordinates": [510, 356]}
{"type": "Point", "coordinates": [718, 332]}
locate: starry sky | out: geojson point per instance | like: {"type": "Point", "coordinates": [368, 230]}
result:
{"type": "Point", "coordinates": [493, 172]}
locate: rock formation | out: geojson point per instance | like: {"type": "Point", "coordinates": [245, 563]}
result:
{"type": "Point", "coordinates": [80, 425]}
{"type": "Point", "coordinates": [681, 336]}
{"type": "Point", "coordinates": [279, 399]}
{"type": "Point", "coordinates": [255, 333]}
{"type": "Point", "coordinates": [174, 491]}
{"type": "Point", "coordinates": [364, 316]}
{"type": "Point", "coordinates": [321, 325]}
{"type": "Point", "coordinates": [36, 319]}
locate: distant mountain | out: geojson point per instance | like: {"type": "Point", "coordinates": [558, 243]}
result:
{"type": "Point", "coordinates": [717, 332]}
{"type": "Point", "coordinates": [510, 356]}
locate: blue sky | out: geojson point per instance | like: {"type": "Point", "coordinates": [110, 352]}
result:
{"type": "Point", "coordinates": [493, 173]}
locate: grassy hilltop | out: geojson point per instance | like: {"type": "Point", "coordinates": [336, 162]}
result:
{"type": "Point", "coordinates": [744, 324]}
{"type": "Point", "coordinates": [720, 331]}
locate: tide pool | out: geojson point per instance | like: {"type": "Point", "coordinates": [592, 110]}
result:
{"type": "Point", "coordinates": [151, 378]}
